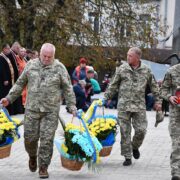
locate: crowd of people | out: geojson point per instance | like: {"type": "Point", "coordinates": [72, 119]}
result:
{"type": "Point", "coordinates": [12, 63]}
{"type": "Point", "coordinates": [85, 84]}
{"type": "Point", "coordinates": [44, 78]}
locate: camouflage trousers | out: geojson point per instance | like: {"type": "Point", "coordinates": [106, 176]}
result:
{"type": "Point", "coordinates": [40, 126]}
{"type": "Point", "coordinates": [126, 121]}
{"type": "Point", "coordinates": [174, 130]}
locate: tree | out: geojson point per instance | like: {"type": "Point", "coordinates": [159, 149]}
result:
{"type": "Point", "coordinates": [78, 27]}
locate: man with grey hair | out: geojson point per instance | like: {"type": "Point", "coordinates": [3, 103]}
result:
{"type": "Point", "coordinates": [130, 80]}
{"type": "Point", "coordinates": [16, 47]}
{"type": "Point", "coordinates": [44, 78]}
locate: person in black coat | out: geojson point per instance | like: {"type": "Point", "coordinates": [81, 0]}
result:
{"type": "Point", "coordinates": [7, 72]}
{"type": "Point", "coordinates": [79, 90]}
{"type": "Point", "coordinates": [8, 76]}
{"type": "Point", "coordinates": [89, 87]}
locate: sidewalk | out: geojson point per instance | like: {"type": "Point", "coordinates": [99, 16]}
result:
{"type": "Point", "coordinates": [153, 164]}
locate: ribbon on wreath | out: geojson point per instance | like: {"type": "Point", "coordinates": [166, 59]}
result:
{"type": "Point", "coordinates": [79, 115]}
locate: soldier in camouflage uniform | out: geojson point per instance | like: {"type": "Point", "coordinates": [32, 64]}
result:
{"type": "Point", "coordinates": [167, 92]}
{"type": "Point", "coordinates": [44, 78]}
{"type": "Point", "coordinates": [131, 80]}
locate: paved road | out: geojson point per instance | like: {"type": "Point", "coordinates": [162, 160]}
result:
{"type": "Point", "coordinates": [153, 164]}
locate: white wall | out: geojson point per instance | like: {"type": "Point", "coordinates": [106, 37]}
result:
{"type": "Point", "coordinates": [167, 9]}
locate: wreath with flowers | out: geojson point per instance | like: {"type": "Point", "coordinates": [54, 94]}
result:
{"type": "Point", "coordinates": [104, 127]}
{"type": "Point", "coordinates": [79, 145]}
{"type": "Point", "coordinates": [8, 128]}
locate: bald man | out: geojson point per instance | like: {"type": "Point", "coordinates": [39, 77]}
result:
{"type": "Point", "coordinates": [44, 78]}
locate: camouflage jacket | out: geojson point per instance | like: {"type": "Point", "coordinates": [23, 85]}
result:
{"type": "Point", "coordinates": [44, 85]}
{"type": "Point", "coordinates": [169, 86]}
{"type": "Point", "coordinates": [131, 85]}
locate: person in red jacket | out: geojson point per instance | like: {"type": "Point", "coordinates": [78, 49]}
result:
{"type": "Point", "coordinates": [80, 71]}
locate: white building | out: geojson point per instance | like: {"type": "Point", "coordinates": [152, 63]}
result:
{"type": "Point", "coordinates": [166, 14]}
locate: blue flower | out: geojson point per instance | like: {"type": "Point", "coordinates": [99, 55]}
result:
{"type": "Point", "coordinates": [81, 138]}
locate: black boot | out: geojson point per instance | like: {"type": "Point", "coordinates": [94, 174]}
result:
{"type": "Point", "coordinates": [136, 153]}
{"type": "Point", "coordinates": [175, 178]}
{"type": "Point", "coordinates": [33, 163]}
{"type": "Point", "coordinates": [127, 162]}
{"type": "Point", "coordinates": [43, 172]}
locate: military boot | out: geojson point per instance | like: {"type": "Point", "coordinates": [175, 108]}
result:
{"type": "Point", "coordinates": [43, 173]}
{"type": "Point", "coordinates": [127, 162]}
{"type": "Point", "coordinates": [136, 153]}
{"type": "Point", "coordinates": [33, 163]}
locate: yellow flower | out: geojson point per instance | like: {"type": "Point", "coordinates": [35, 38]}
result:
{"type": "Point", "coordinates": [92, 133]}
{"type": "Point", "coordinates": [1, 131]}
{"type": "Point", "coordinates": [102, 124]}
{"type": "Point", "coordinates": [97, 131]}
{"type": "Point", "coordinates": [96, 127]}
{"type": "Point", "coordinates": [112, 123]}
{"type": "Point", "coordinates": [102, 129]}
{"type": "Point", "coordinates": [96, 122]}
{"type": "Point", "coordinates": [16, 121]}
{"type": "Point", "coordinates": [7, 126]}
{"type": "Point", "coordinates": [107, 126]}
{"type": "Point", "coordinates": [64, 148]}
{"type": "Point", "coordinates": [102, 120]}
{"type": "Point", "coordinates": [2, 115]}
{"type": "Point", "coordinates": [2, 126]}
{"type": "Point", "coordinates": [3, 119]}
